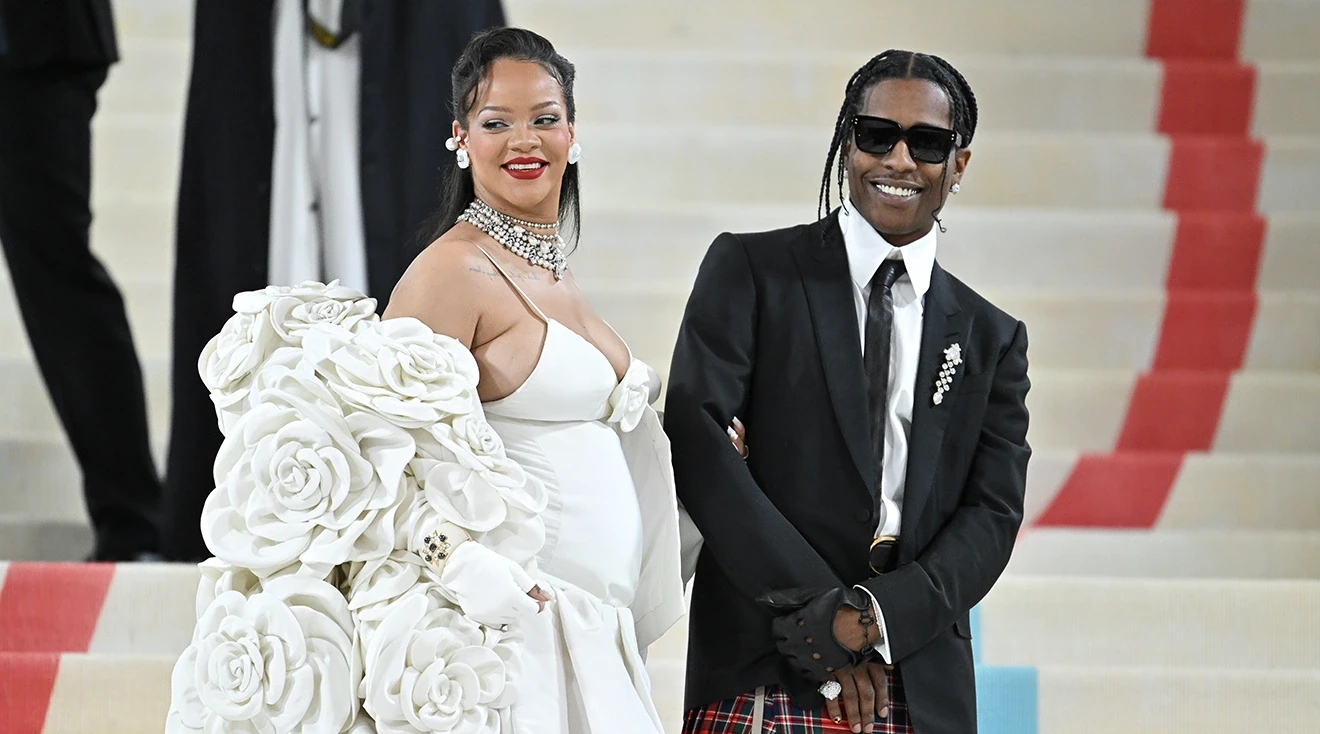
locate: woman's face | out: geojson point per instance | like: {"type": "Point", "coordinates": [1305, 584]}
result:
{"type": "Point", "coordinates": [517, 138]}
{"type": "Point", "coordinates": [896, 194]}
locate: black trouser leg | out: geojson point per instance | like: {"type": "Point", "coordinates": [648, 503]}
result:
{"type": "Point", "coordinates": [73, 312]}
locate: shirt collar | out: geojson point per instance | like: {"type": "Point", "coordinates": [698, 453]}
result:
{"type": "Point", "coordinates": [867, 249]}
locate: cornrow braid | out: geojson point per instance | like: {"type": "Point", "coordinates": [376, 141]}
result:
{"type": "Point", "coordinates": [895, 64]}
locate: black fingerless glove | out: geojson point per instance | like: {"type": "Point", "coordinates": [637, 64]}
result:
{"type": "Point", "coordinates": [804, 631]}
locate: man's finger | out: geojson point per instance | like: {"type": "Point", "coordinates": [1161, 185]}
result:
{"type": "Point", "coordinates": [880, 679]}
{"type": "Point", "coordinates": [852, 708]}
{"type": "Point", "coordinates": [866, 697]}
{"type": "Point", "coordinates": [833, 710]}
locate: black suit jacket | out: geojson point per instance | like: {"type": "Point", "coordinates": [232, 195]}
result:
{"type": "Point", "coordinates": [44, 32]}
{"type": "Point", "coordinates": [771, 335]}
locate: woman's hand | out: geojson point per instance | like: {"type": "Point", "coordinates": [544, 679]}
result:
{"type": "Point", "coordinates": [738, 435]}
{"type": "Point", "coordinates": [490, 588]}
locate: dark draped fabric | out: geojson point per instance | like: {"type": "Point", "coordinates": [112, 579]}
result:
{"type": "Point", "coordinates": [408, 49]}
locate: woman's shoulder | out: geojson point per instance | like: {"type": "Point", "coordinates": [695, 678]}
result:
{"type": "Point", "coordinates": [444, 286]}
{"type": "Point", "coordinates": [454, 255]}
{"type": "Point", "coordinates": [453, 262]}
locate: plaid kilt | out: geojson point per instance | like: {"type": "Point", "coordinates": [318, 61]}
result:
{"type": "Point", "coordinates": [734, 715]}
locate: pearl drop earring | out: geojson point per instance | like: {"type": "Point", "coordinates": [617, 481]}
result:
{"type": "Point", "coordinates": [461, 155]}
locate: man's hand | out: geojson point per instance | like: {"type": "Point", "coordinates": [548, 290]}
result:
{"type": "Point", "coordinates": [850, 631]}
{"type": "Point", "coordinates": [865, 696]}
{"type": "Point", "coordinates": [805, 629]}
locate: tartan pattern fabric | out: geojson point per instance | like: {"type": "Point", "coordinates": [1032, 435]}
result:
{"type": "Point", "coordinates": [734, 715]}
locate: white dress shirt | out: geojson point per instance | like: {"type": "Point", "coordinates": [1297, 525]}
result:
{"type": "Point", "coordinates": [866, 249]}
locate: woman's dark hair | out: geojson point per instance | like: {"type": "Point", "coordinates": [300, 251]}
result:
{"type": "Point", "coordinates": [894, 64]}
{"type": "Point", "coordinates": [470, 71]}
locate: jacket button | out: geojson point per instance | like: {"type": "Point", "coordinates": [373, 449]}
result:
{"type": "Point", "coordinates": [863, 515]}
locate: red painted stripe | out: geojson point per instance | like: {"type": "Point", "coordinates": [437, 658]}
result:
{"type": "Point", "coordinates": [26, 681]}
{"type": "Point", "coordinates": [1207, 98]}
{"type": "Point", "coordinates": [52, 607]}
{"type": "Point", "coordinates": [1196, 29]}
{"type": "Point", "coordinates": [1173, 410]}
{"type": "Point", "coordinates": [1216, 251]}
{"type": "Point", "coordinates": [1122, 490]}
{"type": "Point", "coordinates": [1213, 173]}
{"type": "Point", "coordinates": [1213, 179]}
{"type": "Point", "coordinates": [1205, 331]}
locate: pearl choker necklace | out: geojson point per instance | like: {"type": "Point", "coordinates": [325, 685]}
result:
{"type": "Point", "coordinates": [514, 235]}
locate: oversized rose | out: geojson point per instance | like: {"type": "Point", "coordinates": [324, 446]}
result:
{"type": "Point", "coordinates": [230, 358]}
{"type": "Point", "coordinates": [309, 291]}
{"type": "Point", "coordinates": [630, 397]}
{"type": "Point", "coordinates": [264, 322]}
{"type": "Point", "coordinates": [400, 370]}
{"type": "Point", "coordinates": [219, 577]}
{"type": "Point", "coordinates": [373, 587]}
{"type": "Point", "coordinates": [298, 482]}
{"type": "Point", "coordinates": [281, 660]}
{"type": "Point", "coordinates": [466, 477]}
{"type": "Point", "coordinates": [430, 669]}
{"type": "Point", "coordinates": [294, 314]}
{"type": "Point", "coordinates": [473, 443]}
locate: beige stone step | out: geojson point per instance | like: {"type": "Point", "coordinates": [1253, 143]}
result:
{"type": "Point", "coordinates": [1086, 699]}
{"type": "Point", "coordinates": [1212, 491]}
{"type": "Point", "coordinates": [1264, 411]}
{"type": "Point", "coordinates": [106, 694]}
{"type": "Point", "coordinates": [1280, 30]}
{"type": "Point", "coordinates": [1166, 623]}
{"type": "Point", "coordinates": [25, 537]}
{"type": "Point", "coordinates": [1034, 26]}
{"type": "Point", "coordinates": [1166, 553]}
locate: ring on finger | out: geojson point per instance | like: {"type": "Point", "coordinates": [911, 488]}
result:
{"type": "Point", "coordinates": [831, 690]}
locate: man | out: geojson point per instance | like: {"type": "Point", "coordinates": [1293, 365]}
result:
{"type": "Point", "coordinates": [55, 58]}
{"type": "Point", "coordinates": [884, 405]}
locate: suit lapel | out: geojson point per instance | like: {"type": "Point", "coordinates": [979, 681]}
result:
{"type": "Point", "coordinates": [943, 323]}
{"type": "Point", "coordinates": [828, 283]}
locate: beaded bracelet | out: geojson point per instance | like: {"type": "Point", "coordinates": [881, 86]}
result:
{"type": "Point", "coordinates": [439, 544]}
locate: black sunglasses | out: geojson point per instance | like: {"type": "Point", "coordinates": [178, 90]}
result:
{"type": "Point", "coordinates": [878, 136]}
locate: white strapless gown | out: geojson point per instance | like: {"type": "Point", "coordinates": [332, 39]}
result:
{"type": "Point", "coordinates": [584, 671]}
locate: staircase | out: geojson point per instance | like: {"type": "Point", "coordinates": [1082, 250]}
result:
{"type": "Point", "coordinates": [1142, 193]}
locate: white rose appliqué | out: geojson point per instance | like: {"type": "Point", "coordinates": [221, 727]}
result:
{"type": "Point", "coordinates": [629, 400]}
{"type": "Point", "coordinates": [282, 660]}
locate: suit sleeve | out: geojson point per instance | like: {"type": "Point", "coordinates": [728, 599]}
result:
{"type": "Point", "coordinates": [923, 599]}
{"type": "Point", "coordinates": [710, 383]}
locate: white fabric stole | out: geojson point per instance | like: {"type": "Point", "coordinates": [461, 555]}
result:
{"type": "Point", "coordinates": [316, 221]}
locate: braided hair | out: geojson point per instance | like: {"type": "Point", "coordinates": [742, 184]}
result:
{"type": "Point", "coordinates": [894, 64]}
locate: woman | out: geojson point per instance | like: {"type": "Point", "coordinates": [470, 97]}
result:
{"type": "Point", "coordinates": [496, 279]}
{"type": "Point", "coordinates": [460, 517]}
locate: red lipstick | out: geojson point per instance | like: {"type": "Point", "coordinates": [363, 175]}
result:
{"type": "Point", "coordinates": [526, 169]}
